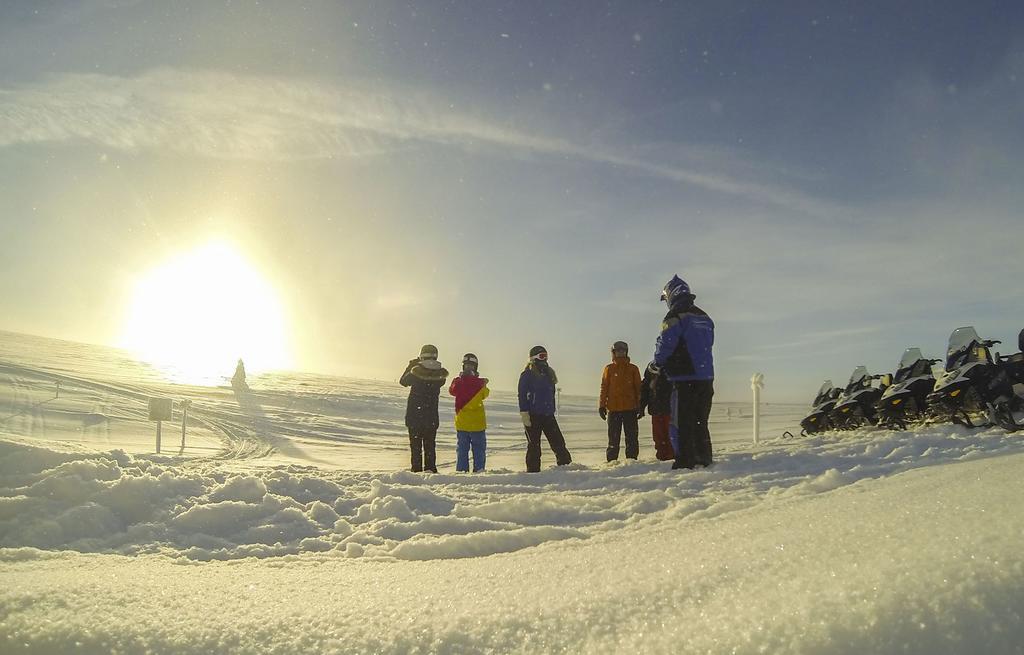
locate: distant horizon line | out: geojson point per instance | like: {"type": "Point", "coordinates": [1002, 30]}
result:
{"type": "Point", "coordinates": [132, 356]}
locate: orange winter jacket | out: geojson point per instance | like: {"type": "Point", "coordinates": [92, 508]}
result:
{"type": "Point", "coordinates": [620, 386]}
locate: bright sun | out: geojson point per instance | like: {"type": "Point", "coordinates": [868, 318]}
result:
{"type": "Point", "coordinates": [196, 314]}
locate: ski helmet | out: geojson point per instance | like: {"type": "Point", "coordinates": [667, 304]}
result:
{"type": "Point", "coordinates": [538, 352]}
{"type": "Point", "coordinates": [469, 360]}
{"type": "Point", "coordinates": [675, 290]}
{"type": "Point", "coordinates": [428, 352]}
{"type": "Point", "coordinates": [620, 346]}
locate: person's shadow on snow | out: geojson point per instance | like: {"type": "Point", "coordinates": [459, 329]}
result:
{"type": "Point", "coordinates": [262, 426]}
{"type": "Point", "coordinates": [250, 407]}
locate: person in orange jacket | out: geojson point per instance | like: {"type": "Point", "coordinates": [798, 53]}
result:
{"type": "Point", "coordinates": [620, 402]}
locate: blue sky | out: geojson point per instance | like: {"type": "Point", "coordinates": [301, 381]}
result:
{"type": "Point", "coordinates": [837, 182]}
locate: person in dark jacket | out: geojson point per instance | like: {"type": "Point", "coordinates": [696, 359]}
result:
{"type": "Point", "coordinates": [537, 385]}
{"type": "Point", "coordinates": [424, 376]}
{"type": "Point", "coordinates": [238, 379]}
{"type": "Point", "coordinates": [656, 400]}
{"type": "Point", "coordinates": [683, 355]}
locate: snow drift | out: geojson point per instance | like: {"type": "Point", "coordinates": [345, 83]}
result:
{"type": "Point", "coordinates": [251, 540]}
{"type": "Point", "coordinates": [893, 542]}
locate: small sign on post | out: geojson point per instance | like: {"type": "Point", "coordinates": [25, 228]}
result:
{"type": "Point", "coordinates": [160, 410]}
{"type": "Point", "coordinates": [756, 384]}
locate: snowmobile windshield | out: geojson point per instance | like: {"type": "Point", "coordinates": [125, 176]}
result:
{"type": "Point", "coordinates": [824, 392]}
{"type": "Point", "coordinates": [910, 357]}
{"type": "Point", "coordinates": [961, 344]}
{"type": "Point", "coordinates": [857, 379]}
{"type": "Point", "coordinates": [908, 364]}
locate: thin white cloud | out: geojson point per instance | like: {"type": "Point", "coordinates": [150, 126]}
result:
{"type": "Point", "coordinates": [227, 116]}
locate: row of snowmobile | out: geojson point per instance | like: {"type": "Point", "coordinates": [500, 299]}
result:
{"type": "Point", "coordinates": [975, 389]}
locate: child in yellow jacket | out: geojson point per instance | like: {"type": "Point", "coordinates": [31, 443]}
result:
{"type": "Point", "coordinates": [470, 390]}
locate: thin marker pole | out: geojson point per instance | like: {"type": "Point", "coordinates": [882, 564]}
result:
{"type": "Point", "coordinates": [756, 383]}
{"type": "Point", "coordinates": [184, 419]}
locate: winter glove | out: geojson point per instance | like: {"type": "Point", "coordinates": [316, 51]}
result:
{"type": "Point", "coordinates": [526, 418]}
{"type": "Point", "coordinates": [654, 368]}
{"type": "Point", "coordinates": [604, 413]}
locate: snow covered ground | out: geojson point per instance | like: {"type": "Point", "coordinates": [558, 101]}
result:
{"type": "Point", "coordinates": [287, 525]}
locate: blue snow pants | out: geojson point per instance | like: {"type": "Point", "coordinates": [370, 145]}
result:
{"type": "Point", "coordinates": [478, 442]}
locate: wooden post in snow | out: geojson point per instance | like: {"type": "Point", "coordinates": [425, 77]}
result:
{"type": "Point", "coordinates": [184, 419]}
{"type": "Point", "coordinates": [159, 411]}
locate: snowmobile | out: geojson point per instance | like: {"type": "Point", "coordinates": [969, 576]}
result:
{"type": "Point", "coordinates": [906, 396]}
{"type": "Point", "coordinates": [856, 405]}
{"type": "Point", "coordinates": [975, 390]}
{"type": "Point", "coordinates": [817, 420]}
{"type": "Point", "coordinates": [1013, 366]}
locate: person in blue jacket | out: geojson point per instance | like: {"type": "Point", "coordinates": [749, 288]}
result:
{"type": "Point", "coordinates": [537, 385]}
{"type": "Point", "coordinates": [682, 354]}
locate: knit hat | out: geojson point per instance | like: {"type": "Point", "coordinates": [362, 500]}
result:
{"type": "Point", "coordinates": [428, 352]}
{"type": "Point", "coordinates": [620, 345]}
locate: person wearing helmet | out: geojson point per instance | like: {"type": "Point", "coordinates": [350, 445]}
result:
{"type": "Point", "coordinates": [619, 402]}
{"type": "Point", "coordinates": [424, 376]}
{"type": "Point", "coordinates": [656, 400]}
{"type": "Point", "coordinates": [470, 390]}
{"type": "Point", "coordinates": [537, 385]}
{"type": "Point", "coordinates": [683, 355]}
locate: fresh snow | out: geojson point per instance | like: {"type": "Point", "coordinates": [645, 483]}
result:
{"type": "Point", "coordinates": [287, 525]}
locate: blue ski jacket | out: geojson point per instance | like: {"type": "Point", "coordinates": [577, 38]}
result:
{"type": "Point", "coordinates": [537, 389]}
{"type": "Point", "coordinates": [683, 349]}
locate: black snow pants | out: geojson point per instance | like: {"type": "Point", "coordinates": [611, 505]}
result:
{"type": "Point", "coordinates": [616, 422]}
{"type": "Point", "coordinates": [691, 407]}
{"type": "Point", "coordinates": [422, 442]}
{"type": "Point", "coordinates": [549, 426]}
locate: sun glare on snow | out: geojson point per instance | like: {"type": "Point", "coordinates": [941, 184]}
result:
{"type": "Point", "coordinates": [196, 314]}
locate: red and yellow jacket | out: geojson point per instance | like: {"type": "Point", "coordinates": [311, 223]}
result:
{"type": "Point", "coordinates": [469, 392]}
{"type": "Point", "coordinates": [620, 386]}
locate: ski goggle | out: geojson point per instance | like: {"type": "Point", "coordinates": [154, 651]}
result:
{"type": "Point", "coordinates": [428, 356]}
{"type": "Point", "coordinates": [471, 360]}
{"type": "Point", "coordinates": [543, 356]}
